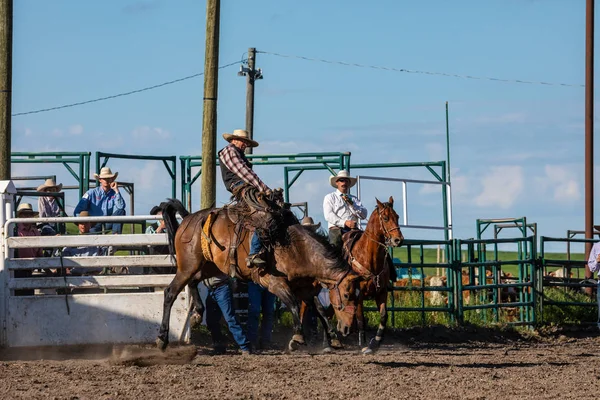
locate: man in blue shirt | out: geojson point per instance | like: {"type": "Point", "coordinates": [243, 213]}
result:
{"type": "Point", "coordinates": [103, 200]}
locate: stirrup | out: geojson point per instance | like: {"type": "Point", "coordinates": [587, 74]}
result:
{"type": "Point", "coordinates": [255, 260]}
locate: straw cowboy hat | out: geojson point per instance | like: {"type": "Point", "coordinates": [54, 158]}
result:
{"type": "Point", "coordinates": [240, 134]}
{"type": "Point", "coordinates": [82, 214]}
{"type": "Point", "coordinates": [309, 223]}
{"type": "Point", "coordinates": [106, 173]}
{"type": "Point", "coordinates": [343, 174]}
{"type": "Point", "coordinates": [50, 184]}
{"type": "Point", "coordinates": [25, 208]}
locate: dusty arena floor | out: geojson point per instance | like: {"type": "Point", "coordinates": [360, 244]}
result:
{"type": "Point", "coordinates": [433, 364]}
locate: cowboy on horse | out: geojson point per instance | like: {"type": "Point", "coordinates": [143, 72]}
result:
{"type": "Point", "coordinates": [238, 176]}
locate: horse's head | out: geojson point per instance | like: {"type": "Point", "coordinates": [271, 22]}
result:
{"type": "Point", "coordinates": [343, 297]}
{"type": "Point", "coordinates": [388, 223]}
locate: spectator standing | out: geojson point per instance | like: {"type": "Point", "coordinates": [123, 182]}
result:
{"type": "Point", "coordinates": [260, 300]}
{"type": "Point", "coordinates": [219, 303]}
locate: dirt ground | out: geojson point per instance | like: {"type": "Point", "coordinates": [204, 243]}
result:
{"type": "Point", "coordinates": [436, 363]}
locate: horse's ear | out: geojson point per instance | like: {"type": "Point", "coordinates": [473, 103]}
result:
{"type": "Point", "coordinates": [391, 201]}
{"type": "Point", "coordinates": [379, 204]}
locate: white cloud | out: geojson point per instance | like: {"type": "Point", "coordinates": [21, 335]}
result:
{"type": "Point", "coordinates": [76, 129]}
{"type": "Point", "coordinates": [501, 187]}
{"type": "Point", "coordinates": [561, 182]}
{"type": "Point", "coordinates": [56, 132]}
{"type": "Point", "coordinates": [28, 132]}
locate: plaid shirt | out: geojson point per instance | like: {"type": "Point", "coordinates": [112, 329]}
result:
{"type": "Point", "coordinates": [237, 163]}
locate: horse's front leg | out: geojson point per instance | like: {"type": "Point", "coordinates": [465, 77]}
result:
{"type": "Point", "coordinates": [375, 342]}
{"type": "Point", "coordinates": [171, 293]}
{"type": "Point", "coordinates": [360, 320]}
{"type": "Point", "coordinates": [330, 339]}
{"type": "Point", "coordinates": [281, 289]}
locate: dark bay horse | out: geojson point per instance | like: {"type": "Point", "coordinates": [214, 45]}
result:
{"type": "Point", "coordinates": [299, 258]}
{"type": "Point", "coordinates": [367, 253]}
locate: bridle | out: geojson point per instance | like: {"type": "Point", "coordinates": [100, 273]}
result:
{"type": "Point", "coordinates": [336, 288]}
{"type": "Point", "coordinates": [387, 233]}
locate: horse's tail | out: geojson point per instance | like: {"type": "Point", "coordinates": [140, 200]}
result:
{"type": "Point", "coordinates": [170, 209]}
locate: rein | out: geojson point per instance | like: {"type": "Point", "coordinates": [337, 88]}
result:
{"type": "Point", "coordinates": [336, 286]}
{"type": "Point", "coordinates": [363, 271]}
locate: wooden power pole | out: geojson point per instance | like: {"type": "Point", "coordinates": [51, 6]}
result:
{"type": "Point", "coordinates": [251, 75]}
{"type": "Point", "coordinates": [6, 23]}
{"type": "Point", "coordinates": [208, 193]}
{"type": "Point", "coordinates": [589, 131]}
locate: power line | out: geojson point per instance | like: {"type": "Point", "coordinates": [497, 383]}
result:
{"type": "Point", "coordinates": [420, 72]}
{"type": "Point", "coordinates": [123, 94]}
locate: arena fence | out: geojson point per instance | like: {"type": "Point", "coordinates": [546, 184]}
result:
{"type": "Point", "coordinates": [38, 310]}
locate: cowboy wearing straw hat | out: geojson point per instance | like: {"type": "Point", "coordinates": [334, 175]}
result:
{"type": "Point", "coordinates": [342, 210]}
{"type": "Point", "coordinates": [47, 205]}
{"type": "Point", "coordinates": [310, 223]}
{"type": "Point", "coordinates": [236, 171]}
{"type": "Point", "coordinates": [103, 200]}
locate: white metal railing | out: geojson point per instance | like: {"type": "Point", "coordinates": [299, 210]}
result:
{"type": "Point", "coordinates": [404, 182]}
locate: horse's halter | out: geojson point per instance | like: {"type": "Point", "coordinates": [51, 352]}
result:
{"type": "Point", "coordinates": [340, 306]}
{"type": "Point", "coordinates": [387, 233]}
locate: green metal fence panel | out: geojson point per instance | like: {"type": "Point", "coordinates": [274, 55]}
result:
{"type": "Point", "coordinates": [82, 161]}
{"type": "Point", "coordinates": [424, 291]}
{"type": "Point", "coordinates": [493, 289]}
{"type": "Point", "coordinates": [300, 161]}
{"type": "Point", "coordinates": [562, 285]}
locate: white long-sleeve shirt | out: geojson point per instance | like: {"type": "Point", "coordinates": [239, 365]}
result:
{"type": "Point", "coordinates": [337, 211]}
{"type": "Point", "coordinates": [592, 263]}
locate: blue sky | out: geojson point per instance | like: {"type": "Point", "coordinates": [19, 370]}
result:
{"type": "Point", "coordinates": [517, 149]}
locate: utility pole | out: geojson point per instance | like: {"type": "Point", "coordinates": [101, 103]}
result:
{"type": "Point", "coordinates": [251, 75]}
{"type": "Point", "coordinates": [589, 131]}
{"type": "Point", "coordinates": [6, 24]}
{"type": "Point", "coordinates": [208, 193]}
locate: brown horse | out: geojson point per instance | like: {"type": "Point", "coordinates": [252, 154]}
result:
{"type": "Point", "coordinates": [299, 256]}
{"type": "Point", "coordinates": [367, 253]}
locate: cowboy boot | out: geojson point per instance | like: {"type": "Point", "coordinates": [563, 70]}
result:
{"type": "Point", "coordinates": [257, 260]}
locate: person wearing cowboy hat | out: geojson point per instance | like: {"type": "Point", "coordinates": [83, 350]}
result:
{"type": "Point", "coordinates": [103, 200]}
{"type": "Point", "coordinates": [24, 229]}
{"type": "Point", "coordinates": [309, 223]}
{"type": "Point", "coordinates": [48, 205]}
{"type": "Point", "coordinates": [236, 171]}
{"type": "Point", "coordinates": [342, 210]}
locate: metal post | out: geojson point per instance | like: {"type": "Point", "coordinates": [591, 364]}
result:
{"type": "Point", "coordinates": [6, 25]}
{"type": "Point", "coordinates": [589, 132]}
{"type": "Point", "coordinates": [209, 121]}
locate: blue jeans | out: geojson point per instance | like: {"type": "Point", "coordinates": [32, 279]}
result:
{"type": "Point", "coordinates": [255, 244]}
{"type": "Point", "coordinates": [598, 297]}
{"type": "Point", "coordinates": [219, 302]}
{"type": "Point", "coordinates": [116, 227]}
{"type": "Point", "coordinates": [259, 299]}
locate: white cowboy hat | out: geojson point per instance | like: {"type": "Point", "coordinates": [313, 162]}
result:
{"type": "Point", "coordinates": [26, 207]}
{"type": "Point", "coordinates": [343, 174]}
{"type": "Point", "coordinates": [240, 134]}
{"type": "Point", "coordinates": [105, 173]}
{"type": "Point", "coordinates": [50, 183]}
{"type": "Point", "coordinates": [309, 223]}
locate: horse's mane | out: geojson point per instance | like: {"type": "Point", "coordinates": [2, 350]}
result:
{"type": "Point", "coordinates": [322, 246]}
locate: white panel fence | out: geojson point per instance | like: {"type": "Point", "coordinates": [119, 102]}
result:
{"type": "Point", "coordinates": [95, 309]}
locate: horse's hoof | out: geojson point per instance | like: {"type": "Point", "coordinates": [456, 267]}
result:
{"type": "Point", "coordinates": [195, 320]}
{"type": "Point", "coordinates": [328, 350]}
{"type": "Point", "coordinates": [298, 339]}
{"type": "Point", "coordinates": [367, 350]}
{"type": "Point", "coordinates": [161, 344]}
{"type": "Point", "coordinates": [336, 344]}
{"type": "Point", "coordinates": [293, 345]}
